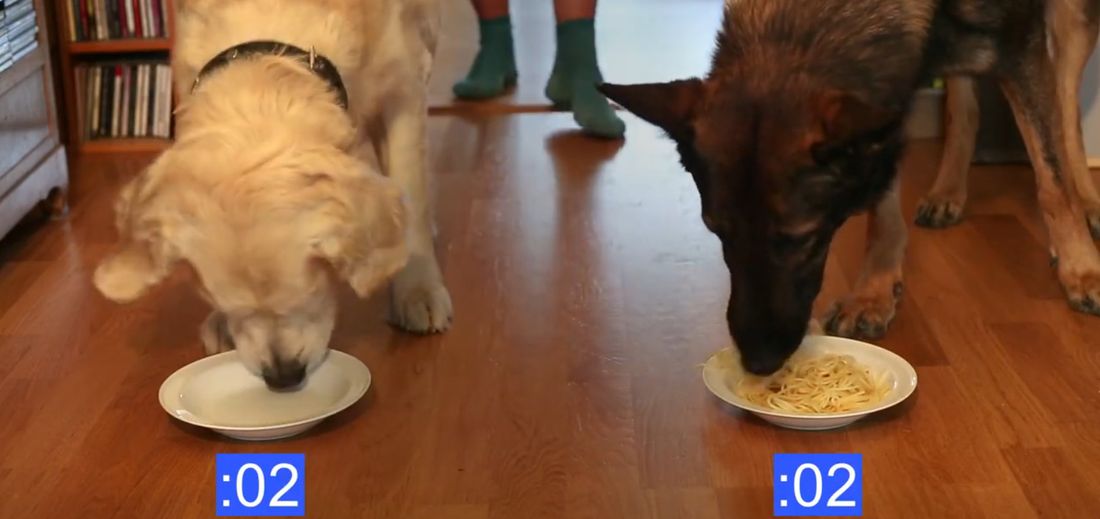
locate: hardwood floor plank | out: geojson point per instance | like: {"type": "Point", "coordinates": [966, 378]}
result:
{"type": "Point", "coordinates": [673, 503]}
{"type": "Point", "coordinates": [1052, 482]}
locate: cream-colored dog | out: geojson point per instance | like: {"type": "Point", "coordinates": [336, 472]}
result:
{"type": "Point", "coordinates": [285, 175]}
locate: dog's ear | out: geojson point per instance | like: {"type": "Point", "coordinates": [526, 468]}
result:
{"type": "Point", "coordinates": [670, 106]}
{"type": "Point", "coordinates": [145, 254]}
{"type": "Point", "coordinates": [365, 240]}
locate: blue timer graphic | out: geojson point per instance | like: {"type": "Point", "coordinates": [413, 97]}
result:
{"type": "Point", "coordinates": [817, 484]}
{"type": "Point", "coordinates": [260, 485]}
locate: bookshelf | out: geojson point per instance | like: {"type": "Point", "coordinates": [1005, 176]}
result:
{"type": "Point", "coordinates": [129, 42]}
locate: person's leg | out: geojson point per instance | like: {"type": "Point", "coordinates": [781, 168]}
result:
{"type": "Point", "coordinates": [494, 68]}
{"type": "Point", "coordinates": [566, 10]}
{"type": "Point", "coordinates": [489, 9]}
{"type": "Point", "coordinates": [576, 72]}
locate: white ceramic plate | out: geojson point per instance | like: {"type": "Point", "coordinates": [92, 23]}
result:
{"type": "Point", "coordinates": [721, 380]}
{"type": "Point", "coordinates": [219, 393]}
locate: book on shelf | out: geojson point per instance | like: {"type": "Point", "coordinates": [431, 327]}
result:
{"type": "Point", "coordinates": [5, 49]}
{"type": "Point", "coordinates": [127, 99]}
{"type": "Point", "coordinates": [18, 31]}
{"type": "Point", "coordinates": [97, 20]}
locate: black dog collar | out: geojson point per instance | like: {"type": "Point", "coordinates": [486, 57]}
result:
{"type": "Point", "coordinates": [318, 64]}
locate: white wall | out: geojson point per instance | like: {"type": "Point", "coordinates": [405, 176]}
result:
{"type": "Point", "coordinates": [1090, 108]}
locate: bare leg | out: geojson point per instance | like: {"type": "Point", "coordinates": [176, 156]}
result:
{"type": "Point", "coordinates": [868, 310]}
{"type": "Point", "coordinates": [489, 9]}
{"type": "Point", "coordinates": [566, 10]}
{"type": "Point", "coordinates": [943, 205]}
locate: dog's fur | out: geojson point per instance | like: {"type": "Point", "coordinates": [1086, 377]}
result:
{"type": "Point", "coordinates": [271, 186]}
{"type": "Point", "coordinates": [799, 124]}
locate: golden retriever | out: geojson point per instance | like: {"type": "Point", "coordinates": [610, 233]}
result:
{"type": "Point", "coordinates": [273, 188]}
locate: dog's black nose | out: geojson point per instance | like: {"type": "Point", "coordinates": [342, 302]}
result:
{"type": "Point", "coordinates": [763, 366]}
{"type": "Point", "coordinates": [284, 375]}
{"type": "Point", "coordinates": [765, 350]}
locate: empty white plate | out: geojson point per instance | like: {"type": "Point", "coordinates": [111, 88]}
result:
{"type": "Point", "coordinates": [721, 377]}
{"type": "Point", "coordinates": [219, 393]}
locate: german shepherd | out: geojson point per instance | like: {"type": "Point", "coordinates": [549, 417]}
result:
{"type": "Point", "coordinates": [799, 125]}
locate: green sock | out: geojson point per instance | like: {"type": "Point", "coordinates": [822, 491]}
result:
{"type": "Point", "coordinates": [573, 82]}
{"type": "Point", "coordinates": [494, 68]}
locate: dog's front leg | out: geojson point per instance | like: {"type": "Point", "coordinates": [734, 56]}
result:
{"type": "Point", "coordinates": [868, 310]}
{"type": "Point", "coordinates": [419, 302]}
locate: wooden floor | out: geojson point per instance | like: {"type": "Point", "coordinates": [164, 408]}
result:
{"type": "Point", "coordinates": [587, 292]}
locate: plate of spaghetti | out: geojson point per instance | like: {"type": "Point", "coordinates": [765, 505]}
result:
{"type": "Point", "coordinates": [829, 382]}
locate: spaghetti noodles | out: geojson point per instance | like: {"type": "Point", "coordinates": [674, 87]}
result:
{"type": "Point", "coordinates": [824, 384]}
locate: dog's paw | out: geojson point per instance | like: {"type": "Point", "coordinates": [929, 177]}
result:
{"type": "Point", "coordinates": [1083, 291]}
{"type": "Point", "coordinates": [420, 303]}
{"type": "Point", "coordinates": [215, 334]}
{"type": "Point", "coordinates": [1092, 216]}
{"type": "Point", "coordinates": [867, 312]}
{"type": "Point", "coordinates": [935, 212]}
{"type": "Point", "coordinates": [422, 309]}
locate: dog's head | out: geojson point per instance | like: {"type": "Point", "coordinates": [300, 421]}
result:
{"type": "Point", "coordinates": [264, 238]}
{"type": "Point", "coordinates": [778, 168]}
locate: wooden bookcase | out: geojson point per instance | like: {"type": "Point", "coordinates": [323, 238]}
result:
{"type": "Point", "coordinates": [72, 54]}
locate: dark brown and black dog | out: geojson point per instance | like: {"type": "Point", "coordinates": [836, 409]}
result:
{"type": "Point", "coordinates": [799, 125]}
